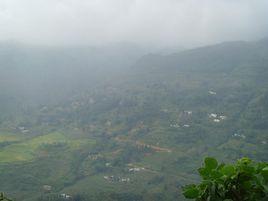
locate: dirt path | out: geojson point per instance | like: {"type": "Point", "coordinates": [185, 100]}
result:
{"type": "Point", "coordinates": [142, 144]}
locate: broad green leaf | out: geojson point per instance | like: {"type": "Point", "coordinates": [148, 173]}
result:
{"type": "Point", "coordinates": [211, 163]}
{"type": "Point", "coordinates": [245, 161]}
{"type": "Point", "coordinates": [265, 169]}
{"type": "Point", "coordinates": [264, 173]}
{"type": "Point", "coordinates": [215, 174]}
{"type": "Point", "coordinates": [265, 188]}
{"type": "Point", "coordinates": [191, 192]}
{"type": "Point", "coordinates": [228, 170]}
{"type": "Point", "coordinates": [249, 170]}
{"type": "Point", "coordinates": [204, 172]}
{"type": "Point", "coordinates": [220, 166]}
{"type": "Point", "coordinates": [261, 166]}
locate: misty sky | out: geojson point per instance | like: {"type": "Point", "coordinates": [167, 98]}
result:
{"type": "Point", "coordinates": [156, 22]}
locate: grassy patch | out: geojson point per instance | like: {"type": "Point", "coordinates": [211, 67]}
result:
{"type": "Point", "coordinates": [26, 150]}
{"type": "Point", "coordinates": [9, 137]}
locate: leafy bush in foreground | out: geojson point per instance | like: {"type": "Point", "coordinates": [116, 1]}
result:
{"type": "Point", "coordinates": [245, 180]}
{"type": "Point", "coordinates": [4, 198]}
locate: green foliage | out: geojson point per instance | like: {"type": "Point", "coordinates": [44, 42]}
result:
{"type": "Point", "coordinates": [245, 180]}
{"type": "Point", "coordinates": [4, 198]}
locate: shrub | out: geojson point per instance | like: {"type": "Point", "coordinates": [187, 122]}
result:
{"type": "Point", "coordinates": [4, 198]}
{"type": "Point", "coordinates": [245, 180]}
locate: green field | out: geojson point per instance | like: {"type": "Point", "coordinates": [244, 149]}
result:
{"type": "Point", "coordinates": [27, 149]}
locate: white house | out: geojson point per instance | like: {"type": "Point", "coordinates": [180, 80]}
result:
{"type": "Point", "coordinates": [212, 92]}
{"type": "Point", "coordinates": [222, 117]}
{"type": "Point", "coordinates": [212, 115]}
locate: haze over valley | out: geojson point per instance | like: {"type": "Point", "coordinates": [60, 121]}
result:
{"type": "Point", "coordinates": [122, 100]}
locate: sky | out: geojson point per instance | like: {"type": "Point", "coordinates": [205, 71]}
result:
{"type": "Point", "coordinates": [155, 22]}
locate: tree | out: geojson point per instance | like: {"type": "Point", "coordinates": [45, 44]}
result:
{"type": "Point", "coordinates": [245, 180]}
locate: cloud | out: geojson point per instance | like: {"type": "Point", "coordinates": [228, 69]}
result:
{"type": "Point", "coordinates": [157, 22]}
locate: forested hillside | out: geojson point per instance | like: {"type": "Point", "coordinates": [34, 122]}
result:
{"type": "Point", "coordinates": [85, 124]}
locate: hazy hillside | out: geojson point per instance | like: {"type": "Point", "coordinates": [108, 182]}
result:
{"type": "Point", "coordinates": [101, 126]}
{"type": "Point", "coordinates": [35, 75]}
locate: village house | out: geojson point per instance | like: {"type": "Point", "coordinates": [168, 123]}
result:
{"type": "Point", "coordinates": [47, 188]}
{"type": "Point", "coordinates": [65, 196]}
{"type": "Point", "coordinates": [175, 125]}
{"type": "Point", "coordinates": [222, 117]}
{"type": "Point", "coordinates": [94, 155]}
{"type": "Point", "coordinates": [212, 92]}
{"type": "Point", "coordinates": [239, 135]}
{"type": "Point", "coordinates": [135, 169]}
{"type": "Point", "coordinates": [188, 112]}
{"type": "Point", "coordinates": [106, 177]}
{"type": "Point", "coordinates": [125, 180]}
{"type": "Point", "coordinates": [112, 178]}
{"type": "Point", "coordinates": [212, 115]}
{"type": "Point", "coordinates": [22, 129]}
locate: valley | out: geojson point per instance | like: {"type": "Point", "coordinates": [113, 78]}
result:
{"type": "Point", "coordinates": [138, 133]}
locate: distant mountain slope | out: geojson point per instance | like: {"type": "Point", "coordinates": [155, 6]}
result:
{"type": "Point", "coordinates": [133, 133]}
{"type": "Point", "coordinates": [224, 57]}
{"type": "Point", "coordinates": [33, 75]}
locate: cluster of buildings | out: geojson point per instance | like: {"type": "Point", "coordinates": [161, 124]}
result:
{"type": "Point", "coordinates": [178, 126]}
{"type": "Point", "coordinates": [239, 135]}
{"type": "Point", "coordinates": [94, 156]}
{"type": "Point", "coordinates": [48, 189]}
{"type": "Point", "coordinates": [22, 129]}
{"type": "Point", "coordinates": [188, 112]}
{"type": "Point", "coordinates": [113, 178]}
{"type": "Point", "coordinates": [174, 125]}
{"type": "Point", "coordinates": [217, 118]}
{"type": "Point", "coordinates": [135, 169]}
{"type": "Point", "coordinates": [65, 196]}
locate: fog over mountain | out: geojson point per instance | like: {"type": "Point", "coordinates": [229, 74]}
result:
{"type": "Point", "coordinates": [125, 100]}
{"type": "Point", "coordinates": [161, 23]}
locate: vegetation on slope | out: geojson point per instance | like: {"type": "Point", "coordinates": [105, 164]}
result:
{"type": "Point", "coordinates": [135, 134]}
{"type": "Point", "coordinates": [245, 180]}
